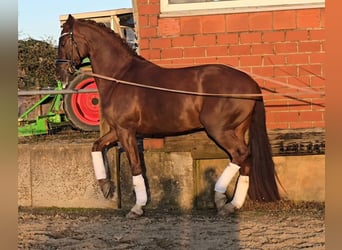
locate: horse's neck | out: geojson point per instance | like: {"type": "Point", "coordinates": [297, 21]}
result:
{"type": "Point", "coordinates": [107, 55]}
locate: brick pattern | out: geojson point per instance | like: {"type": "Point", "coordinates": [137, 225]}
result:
{"type": "Point", "coordinates": [287, 46]}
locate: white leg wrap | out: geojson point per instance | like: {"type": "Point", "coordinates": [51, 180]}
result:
{"type": "Point", "coordinates": [241, 191]}
{"type": "Point", "coordinates": [225, 178]}
{"type": "Point", "coordinates": [99, 167]}
{"type": "Point", "coordinates": [140, 190]}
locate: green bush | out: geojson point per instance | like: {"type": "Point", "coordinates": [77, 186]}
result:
{"type": "Point", "coordinates": [36, 64]}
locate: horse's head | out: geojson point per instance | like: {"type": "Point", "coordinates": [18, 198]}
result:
{"type": "Point", "coordinates": [72, 48]}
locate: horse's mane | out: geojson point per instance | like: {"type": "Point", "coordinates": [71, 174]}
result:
{"type": "Point", "coordinates": [112, 33]}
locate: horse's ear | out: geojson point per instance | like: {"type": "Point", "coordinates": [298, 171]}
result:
{"type": "Point", "coordinates": [70, 19]}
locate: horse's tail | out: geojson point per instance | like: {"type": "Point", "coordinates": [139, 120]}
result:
{"type": "Point", "coordinates": [263, 178]}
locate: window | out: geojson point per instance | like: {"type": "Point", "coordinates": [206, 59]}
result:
{"type": "Point", "coordinates": [193, 7]}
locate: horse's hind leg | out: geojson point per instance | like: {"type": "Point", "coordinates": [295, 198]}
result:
{"type": "Point", "coordinates": [100, 163]}
{"type": "Point", "coordinates": [233, 142]}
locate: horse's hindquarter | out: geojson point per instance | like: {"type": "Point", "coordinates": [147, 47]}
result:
{"type": "Point", "coordinates": [229, 111]}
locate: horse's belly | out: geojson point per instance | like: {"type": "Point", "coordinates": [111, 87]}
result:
{"type": "Point", "coordinates": [167, 123]}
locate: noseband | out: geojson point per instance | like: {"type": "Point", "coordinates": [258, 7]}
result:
{"type": "Point", "coordinates": [72, 65]}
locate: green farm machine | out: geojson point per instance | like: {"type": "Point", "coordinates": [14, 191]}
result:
{"type": "Point", "coordinates": [46, 123]}
{"type": "Point", "coordinates": [75, 103]}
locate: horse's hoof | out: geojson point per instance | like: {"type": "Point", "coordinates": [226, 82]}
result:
{"type": "Point", "coordinates": [135, 212]}
{"type": "Point", "coordinates": [226, 210]}
{"type": "Point", "coordinates": [133, 215]}
{"type": "Point", "coordinates": [107, 188]}
{"type": "Point", "coordinates": [220, 200]}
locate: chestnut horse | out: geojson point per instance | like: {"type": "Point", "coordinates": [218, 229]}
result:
{"type": "Point", "coordinates": [134, 110]}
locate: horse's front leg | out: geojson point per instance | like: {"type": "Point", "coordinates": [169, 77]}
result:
{"type": "Point", "coordinates": [129, 143]}
{"type": "Point", "coordinates": [100, 163]}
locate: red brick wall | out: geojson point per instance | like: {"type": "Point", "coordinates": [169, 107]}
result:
{"type": "Point", "coordinates": [287, 46]}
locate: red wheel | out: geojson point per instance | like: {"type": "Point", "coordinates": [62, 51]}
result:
{"type": "Point", "coordinates": [86, 105]}
{"type": "Point", "coordinates": [83, 110]}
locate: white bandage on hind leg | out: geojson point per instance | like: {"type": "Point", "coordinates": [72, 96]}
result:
{"type": "Point", "coordinates": [241, 191]}
{"type": "Point", "coordinates": [140, 190]}
{"type": "Point", "coordinates": [98, 164]}
{"type": "Point", "coordinates": [225, 178]}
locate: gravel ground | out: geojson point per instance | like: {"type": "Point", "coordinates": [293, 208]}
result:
{"type": "Point", "coordinates": [282, 225]}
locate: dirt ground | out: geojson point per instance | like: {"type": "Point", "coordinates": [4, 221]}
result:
{"type": "Point", "coordinates": [282, 225]}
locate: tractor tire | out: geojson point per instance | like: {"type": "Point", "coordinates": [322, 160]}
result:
{"type": "Point", "coordinates": [83, 109]}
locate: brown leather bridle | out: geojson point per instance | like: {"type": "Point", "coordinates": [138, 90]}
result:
{"type": "Point", "coordinates": [72, 67]}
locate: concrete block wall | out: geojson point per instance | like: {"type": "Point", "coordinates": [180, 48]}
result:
{"type": "Point", "coordinates": [170, 180]}
{"type": "Point", "coordinates": [61, 175]}
{"type": "Point", "coordinates": [287, 46]}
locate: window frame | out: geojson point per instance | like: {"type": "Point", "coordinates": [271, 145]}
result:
{"type": "Point", "coordinates": [235, 6]}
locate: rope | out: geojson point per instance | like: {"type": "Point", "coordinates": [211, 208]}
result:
{"type": "Point", "coordinates": [283, 84]}
{"type": "Point", "coordinates": [203, 93]}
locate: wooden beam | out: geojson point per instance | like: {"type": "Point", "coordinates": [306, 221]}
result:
{"type": "Point", "coordinates": [283, 142]}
